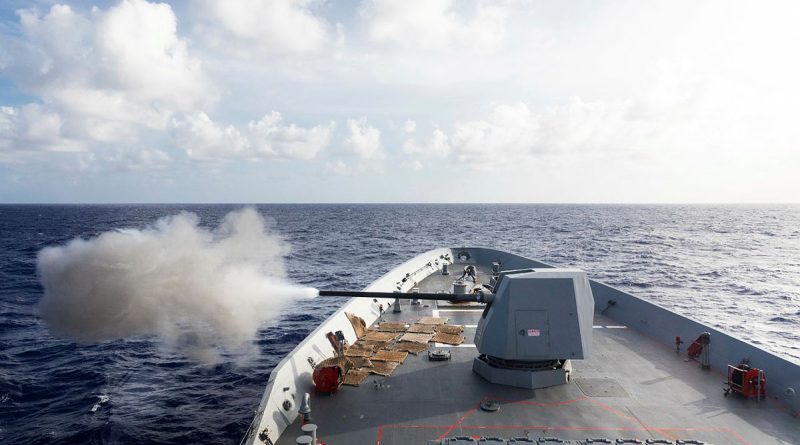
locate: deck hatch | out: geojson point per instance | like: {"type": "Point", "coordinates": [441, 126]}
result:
{"type": "Point", "coordinates": [601, 387]}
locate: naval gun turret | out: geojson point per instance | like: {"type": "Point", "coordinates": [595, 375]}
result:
{"type": "Point", "coordinates": [538, 321]}
{"type": "Point", "coordinates": [535, 322]}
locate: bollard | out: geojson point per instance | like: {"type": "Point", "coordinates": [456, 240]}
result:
{"type": "Point", "coordinates": [305, 408]}
{"type": "Point", "coordinates": [310, 429]}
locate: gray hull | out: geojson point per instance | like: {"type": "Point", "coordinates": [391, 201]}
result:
{"type": "Point", "coordinates": [633, 385]}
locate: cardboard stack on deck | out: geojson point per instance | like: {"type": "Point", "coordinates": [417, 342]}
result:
{"type": "Point", "coordinates": [432, 320]}
{"type": "Point", "coordinates": [360, 362]}
{"type": "Point", "coordinates": [389, 356]}
{"type": "Point", "coordinates": [450, 339]}
{"type": "Point", "coordinates": [354, 377]}
{"type": "Point", "coordinates": [392, 327]}
{"type": "Point", "coordinates": [422, 328]}
{"type": "Point", "coordinates": [449, 334]}
{"type": "Point", "coordinates": [449, 329]}
{"type": "Point", "coordinates": [416, 338]}
{"type": "Point", "coordinates": [381, 349]}
{"type": "Point", "coordinates": [409, 346]}
{"type": "Point", "coordinates": [380, 336]}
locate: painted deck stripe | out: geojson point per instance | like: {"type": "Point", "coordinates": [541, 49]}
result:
{"type": "Point", "coordinates": [616, 327]}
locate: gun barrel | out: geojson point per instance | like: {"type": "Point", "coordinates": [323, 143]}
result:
{"type": "Point", "coordinates": [479, 297]}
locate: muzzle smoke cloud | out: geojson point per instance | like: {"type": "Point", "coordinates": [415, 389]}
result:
{"type": "Point", "coordinates": [197, 289]}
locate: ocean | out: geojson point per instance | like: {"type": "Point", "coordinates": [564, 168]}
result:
{"type": "Point", "coordinates": [736, 267]}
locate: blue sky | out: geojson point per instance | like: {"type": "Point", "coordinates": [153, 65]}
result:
{"type": "Point", "coordinates": [399, 101]}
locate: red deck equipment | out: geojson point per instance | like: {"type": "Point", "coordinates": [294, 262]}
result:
{"type": "Point", "coordinates": [747, 381]}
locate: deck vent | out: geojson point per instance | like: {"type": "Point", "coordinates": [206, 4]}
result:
{"type": "Point", "coordinates": [490, 406]}
{"type": "Point", "coordinates": [438, 355]}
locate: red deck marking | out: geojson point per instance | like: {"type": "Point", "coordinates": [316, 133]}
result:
{"type": "Point", "coordinates": [586, 428]}
{"type": "Point", "coordinates": [449, 428]}
{"type": "Point", "coordinates": [632, 418]}
{"type": "Point", "coordinates": [615, 411]}
{"type": "Point", "coordinates": [642, 427]}
{"type": "Point", "coordinates": [381, 427]}
{"type": "Point", "coordinates": [460, 419]}
{"type": "Point", "coordinates": [734, 434]}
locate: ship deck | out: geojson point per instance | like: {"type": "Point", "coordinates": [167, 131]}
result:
{"type": "Point", "coordinates": [631, 387]}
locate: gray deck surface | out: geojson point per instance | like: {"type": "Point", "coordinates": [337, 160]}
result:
{"type": "Point", "coordinates": [630, 387]}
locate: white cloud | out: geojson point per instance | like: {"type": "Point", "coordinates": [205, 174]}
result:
{"type": "Point", "coordinates": [514, 133]}
{"type": "Point", "coordinates": [681, 116]}
{"type": "Point", "coordinates": [409, 126]}
{"type": "Point", "coordinates": [119, 159]}
{"type": "Point", "coordinates": [274, 26]}
{"type": "Point", "coordinates": [203, 139]}
{"type": "Point", "coordinates": [364, 140]}
{"type": "Point", "coordinates": [339, 168]}
{"type": "Point", "coordinates": [125, 64]}
{"type": "Point", "coordinates": [415, 165]}
{"type": "Point", "coordinates": [34, 133]}
{"type": "Point", "coordinates": [42, 128]}
{"type": "Point", "coordinates": [101, 79]}
{"type": "Point", "coordinates": [510, 133]}
{"type": "Point", "coordinates": [34, 127]}
{"type": "Point", "coordinates": [271, 138]}
{"type": "Point", "coordinates": [145, 159]}
{"type": "Point", "coordinates": [268, 138]}
{"type": "Point", "coordinates": [437, 146]}
{"type": "Point", "coordinates": [433, 24]}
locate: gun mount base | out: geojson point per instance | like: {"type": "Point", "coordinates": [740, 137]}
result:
{"type": "Point", "coordinates": [531, 378]}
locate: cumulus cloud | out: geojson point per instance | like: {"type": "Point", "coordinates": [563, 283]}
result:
{"type": "Point", "coordinates": [274, 26]}
{"type": "Point", "coordinates": [433, 23]}
{"type": "Point", "coordinates": [138, 159]}
{"type": "Point", "coordinates": [34, 126]}
{"type": "Point", "coordinates": [363, 140]}
{"type": "Point", "coordinates": [125, 64]}
{"type": "Point", "coordinates": [35, 133]}
{"type": "Point", "coordinates": [437, 145]}
{"type": "Point", "coordinates": [203, 139]}
{"type": "Point", "coordinates": [514, 132]}
{"type": "Point", "coordinates": [680, 114]}
{"type": "Point", "coordinates": [100, 78]}
{"type": "Point", "coordinates": [409, 126]}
